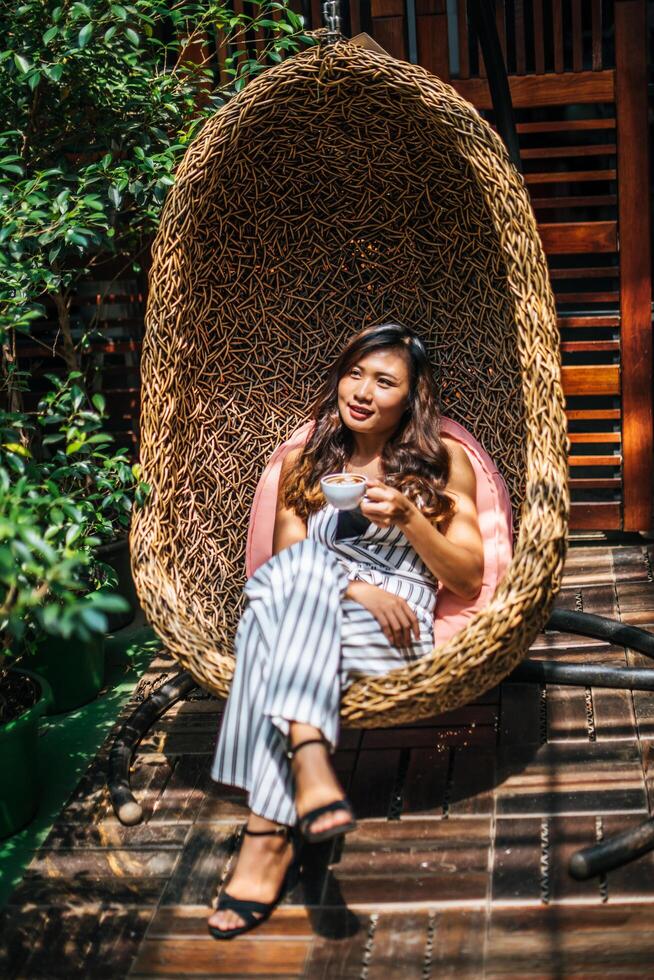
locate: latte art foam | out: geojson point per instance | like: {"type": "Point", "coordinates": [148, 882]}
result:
{"type": "Point", "coordinates": [345, 479]}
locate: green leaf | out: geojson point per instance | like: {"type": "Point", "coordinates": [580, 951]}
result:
{"type": "Point", "coordinates": [93, 203]}
{"type": "Point", "coordinates": [119, 11]}
{"type": "Point", "coordinates": [109, 33]}
{"type": "Point", "coordinates": [72, 534]}
{"type": "Point", "coordinates": [84, 35]}
{"type": "Point", "coordinates": [107, 601]}
{"type": "Point", "coordinates": [95, 620]}
{"type": "Point", "coordinates": [16, 447]}
{"type": "Point", "coordinates": [74, 447]}
{"type": "Point", "coordinates": [47, 37]}
{"type": "Point", "coordinates": [22, 63]}
{"type": "Point", "coordinates": [54, 72]}
{"type": "Point", "coordinates": [132, 36]}
{"type": "Point", "coordinates": [33, 81]}
{"type": "Point", "coordinates": [99, 402]}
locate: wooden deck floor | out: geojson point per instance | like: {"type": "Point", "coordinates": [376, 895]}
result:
{"type": "Point", "coordinates": [458, 868]}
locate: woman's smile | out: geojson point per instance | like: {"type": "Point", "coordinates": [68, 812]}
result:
{"type": "Point", "coordinates": [359, 413]}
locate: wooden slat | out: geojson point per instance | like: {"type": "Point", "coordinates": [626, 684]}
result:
{"type": "Point", "coordinates": [573, 346]}
{"type": "Point", "coordinates": [606, 483]}
{"type": "Point", "coordinates": [433, 48]}
{"type": "Point", "coordinates": [500, 20]}
{"type": "Point", "coordinates": [581, 414]}
{"type": "Point", "coordinates": [542, 152]}
{"type": "Point", "coordinates": [596, 379]}
{"type": "Point", "coordinates": [589, 516]}
{"type": "Point", "coordinates": [564, 125]}
{"type": "Point", "coordinates": [567, 322]}
{"type": "Point", "coordinates": [539, 38]}
{"type": "Point", "coordinates": [389, 32]}
{"type": "Point", "coordinates": [570, 176]}
{"type": "Point", "coordinates": [355, 17]}
{"type": "Point", "coordinates": [588, 201]}
{"type": "Point", "coordinates": [583, 236]}
{"type": "Point", "coordinates": [222, 50]}
{"type": "Point", "coordinates": [105, 347]}
{"type": "Point", "coordinates": [464, 53]}
{"type": "Point", "coordinates": [530, 91]}
{"type": "Point", "coordinates": [577, 37]}
{"type": "Point", "coordinates": [605, 272]}
{"type": "Point", "coordinates": [635, 255]}
{"type": "Point", "coordinates": [482, 63]}
{"type": "Point", "coordinates": [519, 19]}
{"type": "Point", "coordinates": [594, 437]}
{"type": "Point", "coordinates": [182, 957]}
{"type": "Point", "coordinates": [557, 30]}
{"type": "Point", "coordinates": [608, 459]}
{"type": "Point", "coordinates": [606, 297]}
{"type": "Point", "coordinates": [596, 8]}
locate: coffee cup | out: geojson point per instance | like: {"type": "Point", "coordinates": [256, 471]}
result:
{"type": "Point", "coordinates": [343, 490]}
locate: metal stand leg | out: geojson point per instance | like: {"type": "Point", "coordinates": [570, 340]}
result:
{"type": "Point", "coordinates": [625, 847]}
{"type": "Point", "coordinates": [124, 802]}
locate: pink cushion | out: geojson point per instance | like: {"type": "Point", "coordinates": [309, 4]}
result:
{"type": "Point", "coordinates": [493, 506]}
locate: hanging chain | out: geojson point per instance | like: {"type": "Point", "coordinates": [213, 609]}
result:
{"type": "Point", "coordinates": [331, 15]}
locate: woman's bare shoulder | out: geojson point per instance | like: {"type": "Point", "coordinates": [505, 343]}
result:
{"type": "Point", "coordinates": [291, 458]}
{"type": "Point", "coordinates": [461, 470]}
{"type": "Point", "coordinates": [458, 455]}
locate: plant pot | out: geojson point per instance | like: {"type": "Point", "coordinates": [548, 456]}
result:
{"type": "Point", "coordinates": [116, 554]}
{"type": "Point", "coordinates": [73, 668]}
{"type": "Point", "coordinates": [19, 773]}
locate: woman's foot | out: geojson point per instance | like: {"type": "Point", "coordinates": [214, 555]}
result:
{"type": "Point", "coordinates": [315, 780]}
{"type": "Point", "coordinates": [260, 869]}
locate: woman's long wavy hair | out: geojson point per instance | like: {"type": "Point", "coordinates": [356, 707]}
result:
{"type": "Point", "coordinates": [414, 459]}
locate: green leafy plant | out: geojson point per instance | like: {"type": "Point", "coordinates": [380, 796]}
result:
{"type": "Point", "coordinates": [64, 491]}
{"type": "Point", "coordinates": [99, 102]}
{"type": "Point", "coordinates": [47, 584]}
{"type": "Point", "coordinates": [81, 459]}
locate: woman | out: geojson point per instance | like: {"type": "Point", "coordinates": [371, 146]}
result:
{"type": "Point", "coordinates": [345, 594]}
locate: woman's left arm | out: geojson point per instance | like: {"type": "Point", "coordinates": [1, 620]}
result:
{"type": "Point", "coordinates": [455, 554]}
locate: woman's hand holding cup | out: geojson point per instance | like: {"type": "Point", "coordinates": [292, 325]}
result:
{"type": "Point", "coordinates": [384, 505]}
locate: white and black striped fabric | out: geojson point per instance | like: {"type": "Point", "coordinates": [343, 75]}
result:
{"type": "Point", "coordinates": [300, 642]}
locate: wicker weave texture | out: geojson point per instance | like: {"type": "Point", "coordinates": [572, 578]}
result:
{"type": "Point", "coordinates": [339, 189]}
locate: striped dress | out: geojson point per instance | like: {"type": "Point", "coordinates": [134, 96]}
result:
{"type": "Point", "coordinates": [300, 642]}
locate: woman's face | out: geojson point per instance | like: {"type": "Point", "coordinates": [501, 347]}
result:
{"type": "Point", "coordinates": [374, 393]}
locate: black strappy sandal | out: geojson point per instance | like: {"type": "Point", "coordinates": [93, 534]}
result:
{"type": "Point", "coordinates": [253, 912]}
{"type": "Point", "coordinates": [307, 819]}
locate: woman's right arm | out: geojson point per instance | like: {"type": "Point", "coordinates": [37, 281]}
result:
{"type": "Point", "coordinates": [289, 528]}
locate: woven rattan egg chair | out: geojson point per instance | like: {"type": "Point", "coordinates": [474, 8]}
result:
{"type": "Point", "coordinates": [337, 189]}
